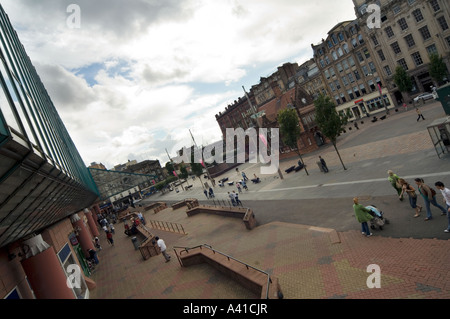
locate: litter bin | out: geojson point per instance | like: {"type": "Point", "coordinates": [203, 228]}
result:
{"type": "Point", "coordinates": [135, 243]}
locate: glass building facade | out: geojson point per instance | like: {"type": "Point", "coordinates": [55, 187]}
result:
{"type": "Point", "coordinates": [43, 178]}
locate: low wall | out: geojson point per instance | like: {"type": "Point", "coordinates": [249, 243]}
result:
{"type": "Point", "coordinates": [246, 214]}
{"type": "Point", "coordinates": [186, 202]}
{"type": "Point", "coordinates": [250, 278]}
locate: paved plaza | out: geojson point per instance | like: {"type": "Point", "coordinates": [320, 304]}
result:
{"type": "Point", "coordinates": [307, 235]}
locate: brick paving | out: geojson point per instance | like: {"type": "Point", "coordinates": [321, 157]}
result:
{"type": "Point", "coordinates": [310, 262]}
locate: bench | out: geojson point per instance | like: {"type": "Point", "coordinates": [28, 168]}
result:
{"type": "Point", "coordinates": [157, 207]}
{"type": "Point", "coordinates": [246, 214]}
{"type": "Point", "coordinates": [257, 281]}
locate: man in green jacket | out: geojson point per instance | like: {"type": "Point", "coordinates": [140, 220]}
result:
{"type": "Point", "coordinates": [362, 216]}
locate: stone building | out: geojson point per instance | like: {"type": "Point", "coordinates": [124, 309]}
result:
{"type": "Point", "coordinates": [409, 31]}
{"type": "Point", "coordinates": [352, 80]}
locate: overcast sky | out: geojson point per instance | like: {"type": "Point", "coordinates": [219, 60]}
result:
{"type": "Point", "coordinates": [134, 76]}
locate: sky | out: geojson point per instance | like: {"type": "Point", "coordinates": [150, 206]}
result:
{"type": "Point", "coordinates": [131, 78]}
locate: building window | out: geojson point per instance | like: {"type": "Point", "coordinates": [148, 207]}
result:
{"type": "Point", "coordinates": [374, 40]}
{"type": "Point", "coordinates": [350, 94]}
{"type": "Point", "coordinates": [351, 61]}
{"type": "Point", "coordinates": [402, 23]}
{"type": "Point", "coordinates": [341, 36]}
{"type": "Point", "coordinates": [411, 2]}
{"type": "Point", "coordinates": [366, 53]}
{"type": "Point", "coordinates": [360, 39]}
{"type": "Point", "coordinates": [417, 58]}
{"type": "Point", "coordinates": [332, 87]}
{"type": "Point", "coordinates": [387, 70]}
{"type": "Point", "coordinates": [360, 56]}
{"type": "Point", "coordinates": [334, 38]}
{"type": "Point", "coordinates": [334, 55]}
{"type": "Point", "coordinates": [365, 70]}
{"type": "Point", "coordinates": [338, 100]}
{"type": "Point", "coordinates": [345, 46]}
{"type": "Point", "coordinates": [357, 76]}
{"type": "Point", "coordinates": [443, 23]}
{"type": "Point", "coordinates": [410, 40]}
{"type": "Point", "coordinates": [389, 32]}
{"type": "Point", "coordinates": [332, 72]}
{"type": "Point", "coordinates": [425, 33]}
{"type": "Point", "coordinates": [371, 85]}
{"type": "Point", "coordinates": [372, 67]}
{"type": "Point", "coordinates": [355, 89]}
{"type": "Point", "coordinates": [327, 60]}
{"type": "Point", "coordinates": [338, 85]}
{"type": "Point", "coordinates": [354, 43]}
{"type": "Point", "coordinates": [344, 99]}
{"type": "Point", "coordinates": [327, 74]}
{"type": "Point", "coordinates": [432, 49]}
{"type": "Point", "coordinates": [363, 89]}
{"type": "Point", "coordinates": [340, 52]}
{"type": "Point", "coordinates": [397, 9]}
{"type": "Point", "coordinates": [435, 5]}
{"type": "Point", "coordinates": [417, 15]}
{"type": "Point", "coordinates": [381, 55]}
{"type": "Point", "coordinates": [351, 78]}
{"type": "Point", "coordinates": [395, 47]}
{"type": "Point", "coordinates": [344, 80]}
{"type": "Point", "coordinates": [403, 64]}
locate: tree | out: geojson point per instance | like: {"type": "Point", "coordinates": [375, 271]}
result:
{"type": "Point", "coordinates": [290, 130]}
{"type": "Point", "coordinates": [402, 80]}
{"type": "Point", "coordinates": [183, 172]}
{"type": "Point", "coordinates": [170, 168]}
{"type": "Point", "coordinates": [329, 121]}
{"type": "Point", "coordinates": [438, 68]}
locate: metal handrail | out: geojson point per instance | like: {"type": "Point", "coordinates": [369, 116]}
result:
{"type": "Point", "coordinates": [186, 249]}
{"type": "Point", "coordinates": [169, 226]}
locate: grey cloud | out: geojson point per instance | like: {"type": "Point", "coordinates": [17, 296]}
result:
{"type": "Point", "coordinates": [66, 90]}
{"type": "Point", "coordinates": [120, 18]}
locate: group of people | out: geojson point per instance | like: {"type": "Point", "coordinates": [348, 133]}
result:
{"type": "Point", "coordinates": [210, 193]}
{"type": "Point", "coordinates": [427, 192]}
{"type": "Point", "coordinates": [234, 197]}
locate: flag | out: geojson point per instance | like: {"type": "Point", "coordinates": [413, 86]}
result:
{"type": "Point", "coordinates": [175, 174]}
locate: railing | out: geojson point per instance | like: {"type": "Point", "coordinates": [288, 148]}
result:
{"type": "Point", "coordinates": [167, 226]}
{"type": "Point", "coordinates": [186, 249]}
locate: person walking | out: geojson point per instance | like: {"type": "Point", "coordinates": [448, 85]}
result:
{"type": "Point", "coordinates": [429, 196]}
{"type": "Point", "coordinates": [393, 179]}
{"type": "Point", "coordinates": [236, 198]}
{"type": "Point", "coordinates": [446, 194]}
{"type": "Point", "coordinates": [162, 245]}
{"type": "Point", "coordinates": [420, 115]}
{"type": "Point", "coordinates": [211, 193]}
{"type": "Point", "coordinates": [206, 193]}
{"type": "Point", "coordinates": [109, 236]}
{"type": "Point", "coordinates": [238, 185]}
{"type": "Point", "coordinates": [362, 216]}
{"type": "Point", "coordinates": [244, 176]}
{"type": "Point", "coordinates": [324, 164]}
{"type": "Point", "coordinates": [411, 192]}
{"type": "Point", "coordinates": [244, 185]}
{"type": "Point", "coordinates": [232, 198]}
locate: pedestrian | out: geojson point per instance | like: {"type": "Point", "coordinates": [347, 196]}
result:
{"type": "Point", "coordinates": [206, 193]}
{"type": "Point", "coordinates": [362, 216]}
{"type": "Point", "coordinates": [141, 218]}
{"type": "Point", "coordinates": [429, 196]}
{"type": "Point", "coordinates": [420, 115]}
{"type": "Point", "coordinates": [238, 185]}
{"type": "Point", "coordinates": [324, 164]}
{"type": "Point", "coordinates": [446, 194]}
{"type": "Point", "coordinates": [105, 228]}
{"type": "Point", "coordinates": [97, 243]}
{"type": "Point", "coordinates": [162, 245]}
{"type": "Point", "coordinates": [236, 198]}
{"type": "Point", "coordinates": [244, 176]}
{"type": "Point", "coordinates": [244, 185]}
{"type": "Point", "coordinates": [411, 192]}
{"type": "Point", "coordinates": [109, 236]}
{"type": "Point", "coordinates": [232, 198]}
{"type": "Point", "coordinates": [393, 179]}
{"type": "Point", "coordinates": [112, 229]}
{"type": "Point", "coordinates": [211, 193]}
{"type": "Point", "coordinates": [405, 106]}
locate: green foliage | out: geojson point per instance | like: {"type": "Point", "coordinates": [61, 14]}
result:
{"type": "Point", "coordinates": [289, 127]}
{"type": "Point", "coordinates": [402, 80]}
{"type": "Point", "coordinates": [438, 68]}
{"type": "Point", "coordinates": [197, 169]}
{"type": "Point", "coordinates": [330, 123]}
{"type": "Point", "coordinates": [170, 168]}
{"type": "Point", "coordinates": [183, 172]}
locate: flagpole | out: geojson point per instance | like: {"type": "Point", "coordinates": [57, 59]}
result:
{"type": "Point", "coordinates": [203, 161]}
